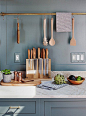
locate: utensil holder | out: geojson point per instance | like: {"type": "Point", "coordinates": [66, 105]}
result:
{"type": "Point", "coordinates": [34, 70]}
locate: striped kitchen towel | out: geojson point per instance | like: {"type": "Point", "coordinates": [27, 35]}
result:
{"type": "Point", "coordinates": [63, 22]}
{"type": "Point", "coordinates": [50, 85]}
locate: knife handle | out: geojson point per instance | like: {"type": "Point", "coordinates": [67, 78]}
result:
{"type": "Point", "coordinates": [38, 53]}
{"type": "Point", "coordinates": [34, 53]}
{"type": "Point", "coordinates": [28, 54]}
{"type": "Point", "coordinates": [31, 53]}
{"type": "Point", "coordinates": [43, 53]}
{"type": "Point", "coordinates": [46, 53]}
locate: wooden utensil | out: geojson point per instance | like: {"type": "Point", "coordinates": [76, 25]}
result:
{"type": "Point", "coordinates": [45, 39]}
{"type": "Point", "coordinates": [18, 33]}
{"type": "Point", "coordinates": [34, 53]}
{"type": "Point", "coordinates": [73, 41]}
{"type": "Point", "coordinates": [28, 54]}
{"type": "Point", "coordinates": [52, 41]}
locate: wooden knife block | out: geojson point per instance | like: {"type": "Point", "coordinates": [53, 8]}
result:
{"type": "Point", "coordinates": [31, 73]}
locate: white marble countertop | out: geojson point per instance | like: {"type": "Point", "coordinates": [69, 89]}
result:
{"type": "Point", "coordinates": [70, 91]}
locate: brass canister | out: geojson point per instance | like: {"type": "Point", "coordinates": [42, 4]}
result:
{"type": "Point", "coordinates": [15, 76]}
{"type": "Point", "coordinates": [19, 76]}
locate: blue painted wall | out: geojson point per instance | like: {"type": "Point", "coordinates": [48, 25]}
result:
{"type": "Point", "coordinates": [31, 29]}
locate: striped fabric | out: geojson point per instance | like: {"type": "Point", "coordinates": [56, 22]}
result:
{"type": "Point", "coordinates": [50, 85]}
{"type": "Point", "coordinates": [63, 22]}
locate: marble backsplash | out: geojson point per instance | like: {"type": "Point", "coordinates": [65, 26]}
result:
{"type": "Point", "coordinates": [68, 73]}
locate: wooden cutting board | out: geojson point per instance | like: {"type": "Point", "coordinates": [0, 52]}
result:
{"type": "Point", "coordinates": [16, 83]}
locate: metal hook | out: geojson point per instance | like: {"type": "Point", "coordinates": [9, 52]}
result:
{"type": "Point", "coordinates": [3, 17]}
{"type": "Point", "coordinates": [73, 16]}
{"type": "Point", "coordinates": [17, 19]}
{"type": "Point", "coordinates": [44, 16]}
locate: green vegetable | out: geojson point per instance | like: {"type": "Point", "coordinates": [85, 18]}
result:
{"type": "Point", "coordinates": [59, 79]}
{"type": "Point", "coordinates": [79, 78]}
{"type": "Point", "coordinates": [6, 71]}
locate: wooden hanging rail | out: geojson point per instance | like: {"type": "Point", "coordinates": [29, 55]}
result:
{"type": "Point", "coordinates": [3, 14]}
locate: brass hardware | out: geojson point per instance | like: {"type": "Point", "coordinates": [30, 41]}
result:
{"type": "Point", "coordinates": [78, 13]}
{"type": "Point", "coordinates": [14, 107]}
{"type": "Point", "coordinates": [3, 14]}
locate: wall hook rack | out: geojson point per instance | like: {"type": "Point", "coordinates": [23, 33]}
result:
{"type": "Point", "coordinates": [3, 14]}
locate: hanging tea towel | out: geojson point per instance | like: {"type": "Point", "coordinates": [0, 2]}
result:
{"type": "Point", "coordinates": [63, 22]}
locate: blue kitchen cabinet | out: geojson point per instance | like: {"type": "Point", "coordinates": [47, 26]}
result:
{"type": "Point", "coordinates": [19, 107]}
{"type": "Point", "coordinates": [43, 107]}
{"type": "Point", "coordinates": [63, 107]}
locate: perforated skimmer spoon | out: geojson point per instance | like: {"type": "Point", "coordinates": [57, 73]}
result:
{"type": "Point", "coordinates": [45, 39]}
{"type": "Point", "coordinates": [52, 41]}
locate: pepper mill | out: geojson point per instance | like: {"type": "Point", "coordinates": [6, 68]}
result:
{"type": "Point", "coordinates": [19, 76]}
{"type": "Point", "coordinates": [15, 75]}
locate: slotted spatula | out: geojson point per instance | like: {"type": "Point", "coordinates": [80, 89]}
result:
{"type": "Point", "coordinates": [73, 41]}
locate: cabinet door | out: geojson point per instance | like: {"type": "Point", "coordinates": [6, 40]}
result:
{"type": "Point", "coordinates": [19, 107]}
{"type": "Point", "coordinates": [65, 108]}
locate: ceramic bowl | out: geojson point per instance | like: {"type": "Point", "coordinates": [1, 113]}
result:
{"type": "Point", "coordinates": [76, 82]}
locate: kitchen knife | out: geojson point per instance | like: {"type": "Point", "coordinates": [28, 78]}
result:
{"type": "Point", "coordinates": [35, 63]}
{"type": "Point", "coordinates": [34, 53]}
{"type": "Point", "coordinates": [29, 57]}
{"type": "Point", "coordinates": [31, 53]}
{"type": "Point", "coordinates": [35, 60]}
{"type": "Point", "coordinates": [39, 62]}
{"type": "Point", "coordinates": [44, 62]}
{"type": "Point", "coordinates": [41, 53]}
{"type": "Point", "coordinates": [47, 61]}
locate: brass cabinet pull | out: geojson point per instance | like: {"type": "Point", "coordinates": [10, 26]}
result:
{"type": "Point", "coordinates": [14, 107]}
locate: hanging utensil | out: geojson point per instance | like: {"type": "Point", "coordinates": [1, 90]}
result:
{"type": "Point", "coordinates": [18, 32]}
{"type": "Point", "coordinates": [73, 41]}
{"type": "Point", "coordinates": [45, 39]}
{"type": "Point", "coordinates": [52, 41]}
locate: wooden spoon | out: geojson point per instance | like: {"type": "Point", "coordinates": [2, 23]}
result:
{"type": "Point", "coordinates": [45, 39]}
{"type": "Point", "coordinates": [52, 41]}
{"type": "Point", "coordinates": [73, 41]}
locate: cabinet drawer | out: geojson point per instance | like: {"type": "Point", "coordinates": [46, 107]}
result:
{"type": "Point", "coordinates": [25, 107]}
